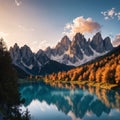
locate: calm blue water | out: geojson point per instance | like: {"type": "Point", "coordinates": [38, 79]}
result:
{"type": "Point", "coordinates": [48, 103]}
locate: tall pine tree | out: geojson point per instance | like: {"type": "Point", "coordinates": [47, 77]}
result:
{"type": "Point", "coordinates": [9, 93]}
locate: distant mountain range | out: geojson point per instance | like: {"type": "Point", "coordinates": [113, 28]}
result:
{"type": "Point", "coordinates": [24, 59]}
{"type": "Point", "coordinates": [66, 52]}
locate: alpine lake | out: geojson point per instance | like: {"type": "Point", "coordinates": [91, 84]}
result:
{"type": "Point", "coordinates": [45, 102]}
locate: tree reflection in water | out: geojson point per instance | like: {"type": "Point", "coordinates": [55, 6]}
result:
{"type": "Point", "coordinates": [82, 101]}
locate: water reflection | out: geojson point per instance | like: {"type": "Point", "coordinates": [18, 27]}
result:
{"type": "Point", "coordinates": [48, 103]}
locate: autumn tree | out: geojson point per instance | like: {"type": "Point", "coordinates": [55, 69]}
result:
{"type": "Point", "coordinates": [92, 75]}
{"type": "Point", "coordinates": [117, 74]}
{"type": "Point", "coordinates": [98, 75]}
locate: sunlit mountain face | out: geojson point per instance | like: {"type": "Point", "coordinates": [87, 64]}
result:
{"type": "Point", "coordinates": [87, 103]}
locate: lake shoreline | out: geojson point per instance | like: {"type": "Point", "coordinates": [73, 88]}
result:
{"type": "Point", "coordinates": [84, 83]}
{"type": "Point", "coordinates": [72, 84]}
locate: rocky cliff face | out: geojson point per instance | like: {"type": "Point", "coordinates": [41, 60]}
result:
{"type": "Point", "coordinates": [97, 43]}
{"type": "Point", "coordinates": [31, 63]}
{"type": "Point", "coordinates": [25, 59]}
{"type": "Point", "coordinates": [107, 44]}
{"type": "Point", "coordinates": [79, 50]}
{"type": "Point", "coordinates": [100, 45]}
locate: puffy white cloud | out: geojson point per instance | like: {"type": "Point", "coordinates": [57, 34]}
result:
{"type": "Point", "coordinates": [111, 14]}
{"type": "Point", "coordinates": [18, 2]}
{"type": "Point", "coordinates": [116, 41]}
{"type": "Point", "coordinates": [82, 25]}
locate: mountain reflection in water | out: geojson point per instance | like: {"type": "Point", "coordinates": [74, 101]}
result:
{"type": "Point", "coordinates": [48, 103]}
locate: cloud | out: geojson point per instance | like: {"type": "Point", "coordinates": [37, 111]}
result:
{"type": "Point", "coordinates": [43, 44]}
{"type": "Point", "coordinates": [118, 15]}
{"type": "Point", "coordinates": [3, 34]}
{"type": "Point", "coordinates": [18, 2]}
{"type": "Point", "coordinates": [25, 28]}
{"type": "Point", "coordinates": [116, 41]}
{"type": "Point", "coordinates": [36, 45]}
{"type": "Point", "coordinates": [111, 14]}
{"type": "Point", "coordinates": [82, 25]}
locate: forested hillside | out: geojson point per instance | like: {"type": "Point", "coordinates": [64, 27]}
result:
{"type": "Point", "coordinates": [105, 69]}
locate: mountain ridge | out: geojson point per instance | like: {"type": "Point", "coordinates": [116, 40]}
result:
{"type": "Point", "coordinates": [35, 64]}
{"type": "Point", "coordinates": [66, 53]}
{"type": "Point", "coordinates": [79, 50]}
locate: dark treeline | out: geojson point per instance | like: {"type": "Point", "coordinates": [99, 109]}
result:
{"type": "Point", "coordinates": [9, 93]}
{"type": "Point", "coordinates": [105, 69]}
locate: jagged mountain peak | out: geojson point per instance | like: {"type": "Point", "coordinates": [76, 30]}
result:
{"type": "Point", "coordinates": [48, 48]}
{"type": "Point", "coordinates": [40, 51]}
{"type": "Point", "coordinates": [26, 52]}
{"type": "Point", "coordinates": [61, 47]}
{"type": "Point", "coordinates": [78, 37]}
{"type": "Point", "coordinates": [65, 41]}
{"type": "Point", "coordinates": [15, 53]}
{"type": "Point", "coordinates": [98, 34]}
{"type": "Point", "coordinates": [100, 45]}
{"type": "Point", "coordinates": [97, 43]}
{"type": "Point", "coordinates": [26, 47]}
{"type": "Point", "coordinates": [107, 39]}
{"type": "Point", "coordinates": [79, 40]}
{"type": "Point", "coordinates": [97, 37]}
{"type": "Point", "coordinates": [108, 44]}
{"type": "Point", "coordinates": [79, 34]}
{"type": "Point", "coordinates": [16, 45]}
{"type": "Point", "coordinates": [41, 57]}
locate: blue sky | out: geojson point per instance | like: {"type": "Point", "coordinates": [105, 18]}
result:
{"type": "Point", "coordinates": [40, 23]}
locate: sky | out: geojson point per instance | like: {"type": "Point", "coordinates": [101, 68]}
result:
{"type": "Point", "coordinates": [42, 23]}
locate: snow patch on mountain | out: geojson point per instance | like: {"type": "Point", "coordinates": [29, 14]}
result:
{"type": "Point", "coordinates": [68, 53]}
{"type": "Point", "coordinates": [29, 67]}
{"type": "Point", "coordinates": [58, 58]}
